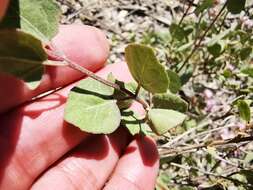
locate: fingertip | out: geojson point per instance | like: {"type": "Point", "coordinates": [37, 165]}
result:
{"type": "Point", "coordinates": [81, 43]}
{"type": "Point", "coordinates": [138, 167]}
{"type": "Point", "coordinates": [3, 7]}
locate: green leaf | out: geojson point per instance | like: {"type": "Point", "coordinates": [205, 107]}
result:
{"type": "Point", "coordinates": [22, 56]}
{"type": "Point", "coordinates": [91, 108]}
{"type": "Point", "coordinates": [248, 71]}
{"type": "Point", "coordinates": [37, 17]}
{"type": "Point", "coordinates": [177, 31]}
{"type": "Point", "coordinates": [162, 180]}
{"type": "Point", "coordinates": [123, 100]}
{"type": "Point", "coordinates": [235, 6]}
{"type": "Point", "coordinates": [244, 110]}
{"type": "Point", "coordinates": [248, 174]}
{"type": "Point", "coordinates": [175, 82]}
{"type": "Point", "coordinates": [146, 69]}
{"type": "Point", "coordinates": [215, 45]}
{"type": "Point", "coordinates": [203, 5]}
{"type": "Point", "coordinates": [187, 74]}
{"type": "Point", "coordinates": [215, 49]}
{"type": "Point", "coordinates": [245, 53]}
{"type": "Point", "coordinates": [248, 158]}
{"type": "Point", "coordinates": [133, 122]}
{"type": "Point", "coordinates": [185, 46]}
{"type": "Point", "coordinates": [169, 101]}
{"type": "Point", "coordinates": [227, 73]}
{"type": "Point", "coordinates": [162, 120]}
{"type": "Point", "coordinates": [217, 38]}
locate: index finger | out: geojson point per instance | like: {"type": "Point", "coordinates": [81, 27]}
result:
{"type": "Point", "coordinates": [84, 45]}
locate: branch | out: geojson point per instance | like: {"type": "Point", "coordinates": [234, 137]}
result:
{"type": "Point", "coordinates": [137, 90]}
{"type": "Point", "coordinates": [178, 151]}
{"type": "Point", "coordinates": [189, 168]}
{"type": "Point", "coordinates": [224, 156]}
{"type": "Point", "coordinates": [197, 45]}
{"type": "Point", "coordinates": [186, 12]}
{"type": "Point", "coordinates": [81, 69]}
{"type": "Point", "coordinates": [60, 56]}
{"type": "Point", "coordinates": [180, 137]}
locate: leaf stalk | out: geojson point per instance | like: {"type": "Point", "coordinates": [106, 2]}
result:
{"type": "Point", "coordinates": [85, 71]}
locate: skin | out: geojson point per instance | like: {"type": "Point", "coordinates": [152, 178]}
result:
{"type": "Point", "coordinates": [87, 50]}
{"type": "Point", "coordinates": [39, 150]}
{"type": "Point", "coordinates": [3, 7]}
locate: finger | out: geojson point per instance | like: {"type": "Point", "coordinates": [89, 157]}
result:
{"type": "Point", "coordinates": [88, 167]}
{"type": "Point", "coordinates": [137, 168]}
{"type": "Point", "coordinates": [84, 45]}
{"type": "Point", "coordinates": [35, 136]}
{"type": "Point", "coordinates": [3, 7]}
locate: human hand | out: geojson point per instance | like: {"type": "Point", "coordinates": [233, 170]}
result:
{"type": "Point", "coordinates": [3, 7]}
{"type": "Point", "coordinates": [40, 151]}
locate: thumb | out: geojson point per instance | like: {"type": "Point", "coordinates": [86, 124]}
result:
{"type": "Point", "coordinates": [3, 7]}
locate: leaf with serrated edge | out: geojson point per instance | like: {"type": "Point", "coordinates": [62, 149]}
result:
{"type": "Point", "coordinates": [22, 56]}
{"type": "Point", "coordinates": [162, 120]}
{"type": "Point", "coordinates": [37, 17]}
{"type": "Point", "coordinates": [91, 108]}
{"type": "Point", "coordinates": [146, 69]}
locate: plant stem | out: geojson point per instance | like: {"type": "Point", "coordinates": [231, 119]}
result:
{"type": "Point", "coordinates": [58, 54]}
{"type": "Point", "coordinates": [223, 21]}
{"type": "Point", "coordinates": [186, 12]}
{"type": "Point", "coordinates": [137, 90]}
{"type": "Point", "coordinates": [177, 151]}
{"type": "Point", "coordinates": [189, 168]}
{"type": "Point", "coordinates": [224, 156]}
{"type": "Point", "coordinates": [197, 45]}
{"type": "Point", "coordinates": [81, 69]}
